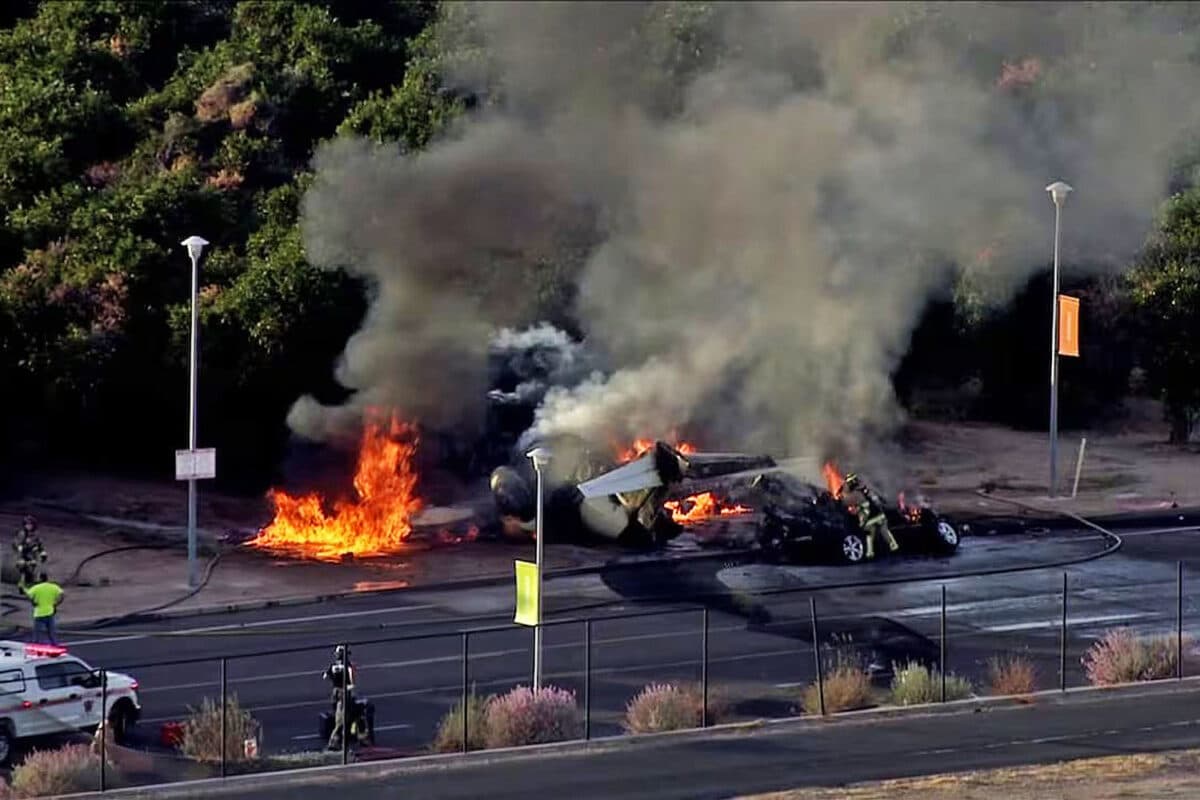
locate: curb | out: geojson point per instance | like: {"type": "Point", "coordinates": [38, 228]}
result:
{"type": "Point", "coordinates": [340, 774]}
{"type": "Point", "coordinates": [1050, 518]}
{"type": "Point", "coordinates": [495, 579]}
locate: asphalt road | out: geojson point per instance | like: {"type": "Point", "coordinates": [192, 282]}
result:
{"type": "Point", "coordinates": [759, 652]}
{"type": "Point", "coordinates": [733, 764]}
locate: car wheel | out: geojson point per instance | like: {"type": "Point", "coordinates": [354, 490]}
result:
{"type": "Point", "coordinates": [854, 549]}
{"type": "Point", "coordinates": [120, 722]}
{"type": "Point", "coordinates": [947, 536]}
{"type": "Point", "coordinates": [6, 743]}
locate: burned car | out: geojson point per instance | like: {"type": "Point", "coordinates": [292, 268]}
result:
{"type": "Point", "coordinates": [802, 520]}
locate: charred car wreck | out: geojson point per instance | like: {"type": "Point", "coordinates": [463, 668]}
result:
{"type": "Point", "coordinates": [793, 519]}
{"type": "Point", "coordinates": [800, 520]}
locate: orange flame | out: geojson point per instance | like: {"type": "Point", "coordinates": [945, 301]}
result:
{"type": "Point", "coordinates": [701, 507]}
{"type": "Point", "coordinates": [913, 513]}
{"type": "Point", "coordinates": [641, 446]}
{"type": "Point", "coordinates": [693, 508]}
{"type": "Point", "coordinates": [834, 480]}
{"type": "Point", "coordinates": [376, 522]}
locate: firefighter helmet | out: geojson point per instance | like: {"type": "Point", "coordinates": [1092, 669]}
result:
{"type": "Point", "coordinates": [29, 523]}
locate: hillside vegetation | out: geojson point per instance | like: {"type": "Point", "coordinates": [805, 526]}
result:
{"type": "Point", "coordinates": [127, 126]}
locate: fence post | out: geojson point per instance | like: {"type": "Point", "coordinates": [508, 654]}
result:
{"type": "Point", "coordinates": [1179, 620]}
{"type": "Point", "coordinates": [587, 679]}
{"type": "Point", "coordinates": [704, 669]}
{"type": "Point", "coordinates": [812, 605]}
{"type": "Point", "coordinates": [224, 706]}
{"type": "Point", "coordinates": [942, 655]}
{"type": "Point", "coordinates": [466, 662]}
{"type": "Point", "coordinates": [345, 704]}
{"type": "Point", "coordinates": [104, 730]}
{"type": "Point", "coordinates": [1062, 652]}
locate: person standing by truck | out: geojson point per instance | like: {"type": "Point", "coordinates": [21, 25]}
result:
{"type": "Point", "coordinates": [46, 597]}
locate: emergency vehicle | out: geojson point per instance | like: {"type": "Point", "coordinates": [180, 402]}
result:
{"type": "Point", "coordinates": [44, 690]}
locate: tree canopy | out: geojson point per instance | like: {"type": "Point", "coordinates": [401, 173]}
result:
{"type": "Point", "coordinates": [127, 126]}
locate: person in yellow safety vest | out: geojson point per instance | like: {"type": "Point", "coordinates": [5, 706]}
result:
{"type": "Point", "coordinates": [872, 517]}
{"type": "Point", "coordinates": [46, 598]}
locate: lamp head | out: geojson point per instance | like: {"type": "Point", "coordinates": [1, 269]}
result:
{"type": "Point", "coordinates": [195, 246]}
{"type": "Point", "coordinates": [540, 456]}
{"type": "Point", "coordinates": [1058, 192]}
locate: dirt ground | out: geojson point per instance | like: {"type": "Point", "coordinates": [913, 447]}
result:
{"type": "Point", "coordinates": [1127, 468]}
{"type": "Point", "coordinates": [1161, 776]}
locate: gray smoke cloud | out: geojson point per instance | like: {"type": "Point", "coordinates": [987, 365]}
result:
{"type": "Point", "coordinates": [773, 201]}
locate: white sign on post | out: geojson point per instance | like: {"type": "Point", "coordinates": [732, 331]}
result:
{"type": "Point", "coordinates": [195, 465]}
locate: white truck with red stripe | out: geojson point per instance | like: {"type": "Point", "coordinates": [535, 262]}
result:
{"type": "Point", "coordinates": [45, 690]}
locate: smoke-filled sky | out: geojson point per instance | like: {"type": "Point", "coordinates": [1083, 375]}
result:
{"type": "Point", "coordinates": [771, 204]}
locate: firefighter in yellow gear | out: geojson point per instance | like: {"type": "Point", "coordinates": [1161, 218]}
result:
{"type": "Point", "coordinates": [872, 517]}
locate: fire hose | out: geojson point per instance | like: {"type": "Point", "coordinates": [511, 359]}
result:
{"type": "Point", "coordinates": [9, 608]}
{"type": "Point", "coordinates": [1114, 544]}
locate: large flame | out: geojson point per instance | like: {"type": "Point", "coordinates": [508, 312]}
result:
{"type": "Point", "coordinates": [834, 480]}
{"type": "Point", "coordinates": [699, 507]}
{"type": "Point", "coordinates": [693, 508]}
{"type": "Point", "coordinates": [641, 446]}
{"type": "Point", "coordinates": [376, 522]}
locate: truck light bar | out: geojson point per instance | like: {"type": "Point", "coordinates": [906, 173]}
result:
{"type": "Point", "coordinates": [43, 650]}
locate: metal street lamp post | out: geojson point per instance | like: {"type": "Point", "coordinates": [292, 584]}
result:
{"type": "Point", "coordinates": [195, 246]}
{"type": "Point", "coordinates": [541, 459]}
{"type": "Point", "coordinates": [1058, 192]}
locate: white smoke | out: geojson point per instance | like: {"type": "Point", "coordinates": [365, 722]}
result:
{"type": "Point", "coordinates": [768, 224]}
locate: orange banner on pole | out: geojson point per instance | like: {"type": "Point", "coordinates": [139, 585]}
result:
{"type": "Point", "coordinates": [1068, 325]}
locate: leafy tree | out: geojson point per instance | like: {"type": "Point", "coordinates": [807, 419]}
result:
{"type": "Point", "coordinates": [1165, 287]}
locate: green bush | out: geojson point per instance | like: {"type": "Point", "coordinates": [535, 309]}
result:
{"type": "Point", "coordinates": [449, 732]}
{"type": "Point", "coordinates": [915, 684]}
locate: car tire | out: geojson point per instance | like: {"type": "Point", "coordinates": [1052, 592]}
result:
{"type": "Point", "coordinates": [6, 742]}
{"type": "Point", "coordinates": [853, 548]}
{"type": "Point", "coordinates": [121, 721]}
{"type": "Point", "coordinates": [945, 536]}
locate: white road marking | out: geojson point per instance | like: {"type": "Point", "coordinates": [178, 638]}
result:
{"type": "Point", "coordinates": [377, 728]}
{"type": "Point", "coordinates": [261, 624]}
{"type": "Point", "coordinates": [310, 673]}
{"type": "Point", "coordinates": [513, 681]}
{"type": "Point", "coordinates": [1071, 623]}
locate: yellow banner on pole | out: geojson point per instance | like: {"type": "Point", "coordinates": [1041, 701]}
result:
{"type": "Point", "coordinates": [1068, 325]}
{"type": "Point", "coordinates": [527, 593]}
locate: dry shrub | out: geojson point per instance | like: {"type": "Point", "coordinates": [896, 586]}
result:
{"type": "Point", "coordinates": [215, 101]}
{"type": "Point", "coordinates": [202, 731]}
{"type": "Point", "coordinates": [1122, 657]}
{"type": "Point", "coordinates": [915, 684]}
{"type": "Point", "coordinates": [226, 179]}
{"type": "Point", "coordinates": [243, 113]}
{"type": "Point", "coordinates": [847, 687]}
{"type": "Point", "coordinates": [671, 707]}
{"type": "Point", "coordinates": [449, 732]}
{"type": "Point", "coordinates": [67, 770]}
{"type": "Point", "coordinates": [531, 716]}
{"type": "Point", "coordinates": [1011, 674]}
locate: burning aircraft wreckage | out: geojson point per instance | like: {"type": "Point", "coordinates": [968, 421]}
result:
{"type": "Point", "coordinates": [654, 493]}
{"type": "Point", "coordinates": [661, 490]}
{"type": "Point", "coordinates": [642, 495]}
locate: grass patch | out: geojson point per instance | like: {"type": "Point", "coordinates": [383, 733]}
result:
{"type": "Point", "coordinates": [915, 684]}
